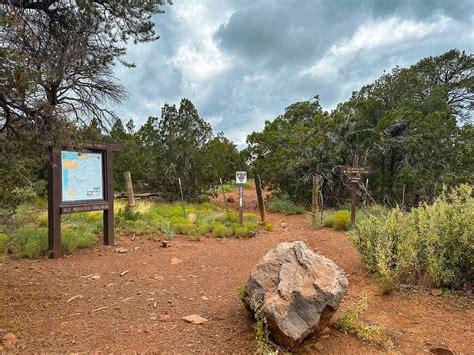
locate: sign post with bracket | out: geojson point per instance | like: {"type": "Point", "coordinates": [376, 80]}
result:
{"type": "Point", "coordinates": [241, 179]}
{"type": "Point", "coordinates": [354, 176]}
{"type": "Point", "coordinates": [80, 180]}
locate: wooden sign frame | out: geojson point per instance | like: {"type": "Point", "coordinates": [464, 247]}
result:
{"type": "Point", "coordinates": [56, 205]}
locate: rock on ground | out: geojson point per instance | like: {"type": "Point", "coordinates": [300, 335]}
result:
{"type": "Point", "coordinates": [9, 341]}
{"type": "Point", "coordinates": [195, 319]}
{"type": "Point", "coordinates": [296, 291]}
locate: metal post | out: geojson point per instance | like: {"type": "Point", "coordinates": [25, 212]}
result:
{"type": "Point", "coordinates": [241, 204]}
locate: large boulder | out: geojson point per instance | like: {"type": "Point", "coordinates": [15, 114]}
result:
{"type": "Point", "coordinates": [296, 291]}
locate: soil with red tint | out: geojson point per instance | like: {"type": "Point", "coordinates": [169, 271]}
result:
{"type": "Point", "coordinates": [142, 310]}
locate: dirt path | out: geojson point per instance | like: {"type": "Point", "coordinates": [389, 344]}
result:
{"type": "Point", "coordinates": [122, 313]}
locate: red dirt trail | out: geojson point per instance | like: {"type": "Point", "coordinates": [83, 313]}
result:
{"type": "Point", "coordinates": [122, 313]}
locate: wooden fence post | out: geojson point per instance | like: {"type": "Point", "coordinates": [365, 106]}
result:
{"type": "Point", "coordinates": [225, 199]}
{"type": "Point", "coordinates": [261, 203]}
{"type": "Point", "coordinates": [129, 188]}
{"type": "Point", "coordinates": [403, 197]}
{"type": "Point", "coordinates": [315, 194]}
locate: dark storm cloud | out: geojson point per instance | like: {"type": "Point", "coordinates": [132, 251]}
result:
{"type": "Point", "coordinates": [242, 62]}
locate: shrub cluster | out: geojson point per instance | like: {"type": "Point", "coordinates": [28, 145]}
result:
{"type": "Point", "coordinates": [339, 220]}
{"type": "Point", "coordinates": [431, 245]}
{"type": "Point", "coordinates": [286, 206]}
{"type": "Point", "coordinates": [194, 220]}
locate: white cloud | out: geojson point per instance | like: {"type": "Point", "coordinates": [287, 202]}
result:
{"type": "Point", "coordinates": [376, 34]}
{"type": "Point", "coordinates": [197, 56]}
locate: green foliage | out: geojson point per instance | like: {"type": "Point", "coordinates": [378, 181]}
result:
{"type": "Point", "coordinates": [29, 242]}
{"type": "Point", "coordinates": [341, 220]}
{"type": "Point", "coordinates": [222, 231]}
{"type": "Point", "coordinates": [200, 220]}
{"type": "Point", "coordinates": [262, 337]}
{"type": "Point", "coordinates": [78, 237]}
{"type": "Point", "coordinates": [350, 323]}
{"type": "Point", "coordinates": [4, 239]}
{"type": "Point", "coordinates": [240, 291]}
{"type": "Point", "coordinates": [391, 123]}
{"type": "Point", "coordinates": [168, 230]}
{"type": "Point", "coordinates": [432, 245]}
{"type": "Point", "coordinates": [268, 226]}
{"type": "Point", "coordinates": [285, 205]}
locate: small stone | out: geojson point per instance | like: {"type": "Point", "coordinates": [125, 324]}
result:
{"type": "Point", "coordinates": [121, 250]}
{"type": "Point", "coordinates": [164, 318]}
{"type": "Point", "coordinates": [9, 341]}
{"type": "Point", "coordinates": [195, 319]}
{"type": "Point", "coordinates": [283, 224]}
{"type": "Point", "coordinates": [165, 243]}
{"type": "Point", "coordinates": [436, 292]}
{"type": "Point", "coordinates": [204, 298]}
{"type": "Point", "coordinates": [175, 261]}
{"type": "Point", "coordinates": [95, 277]}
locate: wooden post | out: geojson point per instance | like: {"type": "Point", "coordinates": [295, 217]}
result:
{"type": "Point", "coordinates": [225, 198]}
{"type": "Point", "coordinates": [182, 197]}
{"type": "Point", "coordinates": [54, 201]}
{"type": "Point", "coordinates": [241, 204]}
{"type": "Point", "coordinates": [261, 203]}
{"type": "Point", "coordinates": [355, 163]}
{"type": "Point", "coordinates": [108, 215]}
{"type": "Point", "coordinates": [315, 194]}
{"type": "Point", "coordinates": [129, 190]}
{"type": "Point", "coordinates": [403, 197]}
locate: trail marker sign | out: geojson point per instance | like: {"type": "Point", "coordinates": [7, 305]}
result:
{"type": "Point", "coordinates": [80, 180]}
{"type": "Point", "coordinates": [241, 177]}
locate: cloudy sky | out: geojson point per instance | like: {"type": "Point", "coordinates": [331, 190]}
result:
{"type": "Point", "coordinates": [241, 62]}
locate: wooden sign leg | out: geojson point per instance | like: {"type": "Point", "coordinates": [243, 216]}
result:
{"type": "Point", "coordinates": [108, 217]}
{"type": "Point", "coordinates": [355, 164]}
{"type": "Point", "coordinates": [354, 203]}
{"type": "Point", "coordinates": [54, 200]}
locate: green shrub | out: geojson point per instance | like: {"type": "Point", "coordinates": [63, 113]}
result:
{"type": "Point", "coordinates": [350, 323]}
{"type": "Point", "coordinates": [268, 226]}
{"type": "Point", "coordinates": [286, 206]}
{"type": "Point", "coordinates": [4, 239]}
{"type": "Point", "coordinates": [29, 242]}
{"type": "Point", "coordinates": [168, 230]}
{"type": "Point", "coordinates": [341, 220]}
{"type": "Point", "coordinates": [431, 245]}
{"type": "Point", "coordinates": [222, 231]}
{"type": "Point", "coordinates": [77, 237]}
{"type": "Point", "coordinates": [328, 220]}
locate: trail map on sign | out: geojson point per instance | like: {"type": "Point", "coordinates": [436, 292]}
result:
{"type": "Point", "coordinates": [82, 178]}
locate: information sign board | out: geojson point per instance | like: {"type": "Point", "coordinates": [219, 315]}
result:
{"type": "Point", "coordinates": [82, 176]}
